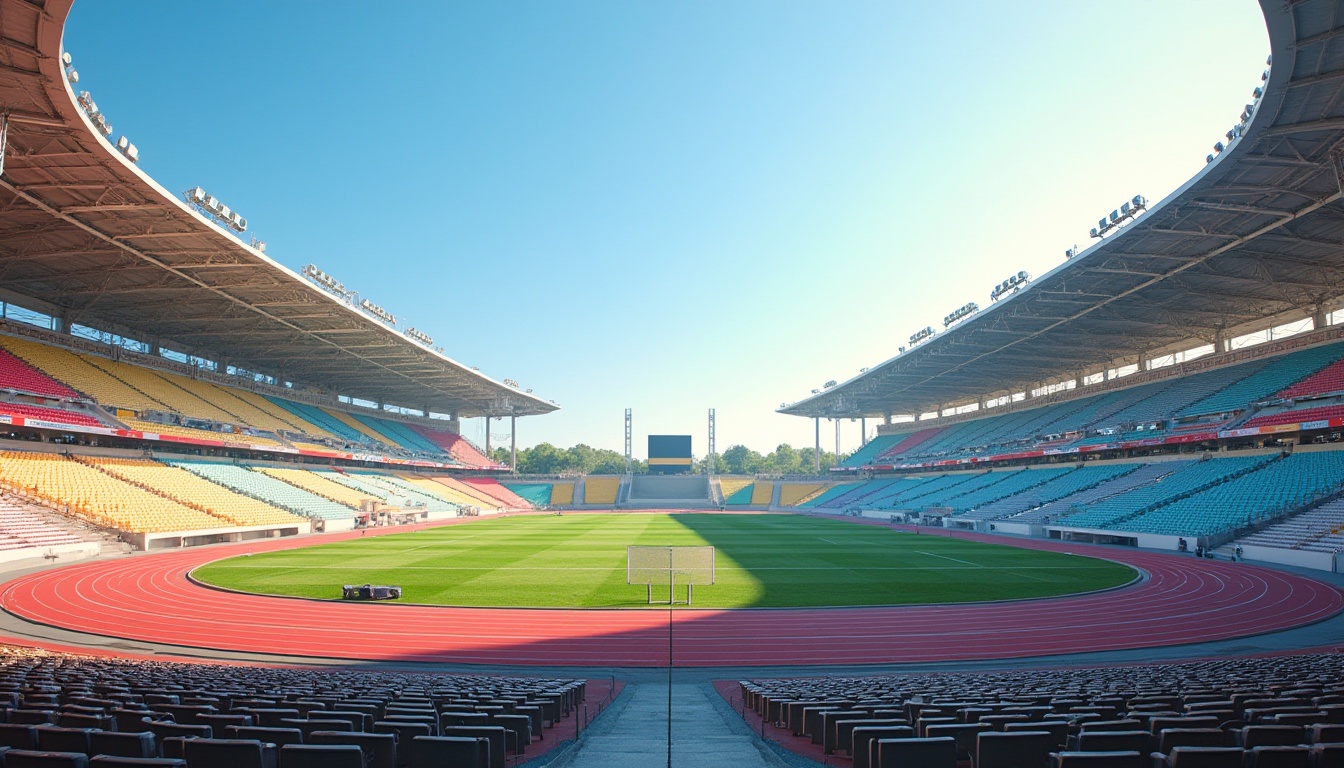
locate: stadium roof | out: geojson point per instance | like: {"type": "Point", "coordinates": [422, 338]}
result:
{"type": "Point", "coordinates": [1255, 239]}
{"type": "Point", "coordinates": [87, 237]}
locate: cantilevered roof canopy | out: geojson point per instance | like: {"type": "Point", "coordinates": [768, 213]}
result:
{"type": "Point", "coordinates": [88, 237]}
{"type": "Point", "coordinates": [1256, 236]}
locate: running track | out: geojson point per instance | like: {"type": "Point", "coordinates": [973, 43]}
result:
{"type": "Point", "coordinates": [1183, 600]}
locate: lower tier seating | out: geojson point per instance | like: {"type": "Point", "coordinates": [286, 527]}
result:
{"type": "Point", "coordinates": [273, 491]}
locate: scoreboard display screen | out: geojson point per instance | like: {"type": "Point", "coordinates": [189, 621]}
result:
{"type": "Point", "coordinates": [669, 454]}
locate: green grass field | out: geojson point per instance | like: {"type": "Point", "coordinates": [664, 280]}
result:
{"type": "Point", "coordinates": [578, 561]}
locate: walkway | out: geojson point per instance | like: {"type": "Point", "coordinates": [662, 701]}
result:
{"type": "Point", "coordinates": [705, 731]}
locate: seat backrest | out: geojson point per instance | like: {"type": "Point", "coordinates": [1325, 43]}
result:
{"type": "Point", "coordinates": [1326, 733]}
{"type": "Point", "coordinates": [379, 748]}
{"type": "Point", "coordinates": [1015, 749]}
{"type": "Point", "coordinates": [1127, 724]}
{"type": "Point", "coordinates": [118, 744]}
{"type": "Point", "coordinates": [1058, 729]}
{"type": "Point", "coordinates": [279, 736]}
{"type": "Point", "coordinates": [861, 739]}
{"type": "Point", "coordinates": [1252, 736]}
{"type": "Point", "coordinates": [1116, 759]}
{"type": "Point", "coordinates": [114, 761]}
{"type": "Point", "coordinates": [31, 758]}
{"type": "Point", "coordinates": [1278, 757]}
{"type": "Point", "coordinates": [1115, 741]}
{"type": "Point", "coordinates": [1327, 755]}
{"type": "Point", "coordinates": [321, 756]}
{"type": "Point", "coordinates": [223, 753]}
{"type": "Point", "coordinates": [18, 735]}
{"type": "Point", "coordinates": [1204, 757]}
{"type": "Point", "coordinates": [52, 738]}
{"type": "Point", "coordinates": [1171, 738]}
{"type": "Point", "coordinates": [935, 752]}
{"type": "Point", "coordinates": [465, 751]}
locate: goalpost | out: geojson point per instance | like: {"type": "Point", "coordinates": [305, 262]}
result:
{"type": "Point", "coordinates": [670, 566]}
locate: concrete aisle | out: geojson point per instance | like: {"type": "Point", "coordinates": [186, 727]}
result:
{"type": "Point", "coordinates": [705, 732]}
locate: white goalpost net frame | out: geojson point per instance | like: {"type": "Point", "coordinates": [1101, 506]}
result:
{"type": "Point", "coordinates": [670, 566]}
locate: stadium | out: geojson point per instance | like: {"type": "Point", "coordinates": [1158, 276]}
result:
{"type": "Point", "coordinates": [1100, 524]}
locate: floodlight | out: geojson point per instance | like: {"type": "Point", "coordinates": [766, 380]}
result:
{"type": "Point", "coordinates": [1218, 147]}
{"type": "Point", "coordinates": [65, 59]}
{"type": "Point", "coordinates": [73, 75]}
{"type": "Point", "coordinates": [1208, 159]}
{"type": "Point", "coordinates": [1258, 92]}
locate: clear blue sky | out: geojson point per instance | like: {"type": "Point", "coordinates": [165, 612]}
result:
{"type": "Point", "coordinates": [671, 206]}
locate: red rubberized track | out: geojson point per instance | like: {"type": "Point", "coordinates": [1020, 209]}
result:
{"type": "Point", "coordinates": [1183, 600]}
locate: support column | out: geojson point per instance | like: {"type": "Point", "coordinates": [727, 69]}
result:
{"type": "Point", "coordinates": [487, 431]}
{"type": "Point", "coordinates": [886, 418]}
{"type": "Point", "coordinates": [863, 431]}
{"type": "Point", "coordinates": [817, 448]}
{"type": "Point", "coordinates": [513, 443]}
{"type": "Point", "coordinates": [1318, 318]}
{"type": "Point", "coordinates": [837, 441]}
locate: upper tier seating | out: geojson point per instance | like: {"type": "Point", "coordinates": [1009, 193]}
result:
{"type": "Point", "coordinates": [262, 486]}
{"type": "Point", "coordinates": [400, 434]}
{"type": "Point", "coordinates": [1274, 375]}
{"type": "Point", "coordinates": [1227, 390]}
{"type": "Point", "coordinates": [166, 388]}
{"type": "Point", "coordinates": [1329, 379]}
{"type": "Point", "coordinates": [1297, 415]}
{"type": "Point", "coordinates": [1188, 477]}
{"type": "Point", "coordinates": [195, 491]}
{"type": "Point", "coordinates": [874, 448]}
{"type": "Point", "coordinates": [455, 446]}
{"type": "Point", "coordinates": [98, 496]}
{"type": "Point", "coordinates": [76, 371]}
{"type": "Point", "coordinates": [319, 418]}
{"type": "Point", "coordinates": [59, 415]}
{"type": "Point", "coordinates": [370, 435]}
{"type": "Point", "coordinates": [241, 440]}
{"type": "Point", "coordinates": [19, 376]}
{"type": "Point", "coordinates": [601, 490]}
{"type": "Point", "coordinates": [1010, 484]}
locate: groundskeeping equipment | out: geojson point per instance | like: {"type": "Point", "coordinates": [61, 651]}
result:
{"type": "Point", "coordinates": [673, 566]}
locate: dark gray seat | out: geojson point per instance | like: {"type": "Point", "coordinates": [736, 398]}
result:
{"type": "Point", "coordinates": [321, 756]}
{"type": "Point", "coordinates": [454, 751]}
{"type": "Point", "coordinates": [1015, 749]}
{"type": "Point", "coordinates": [31, 758]}
{"type": "Point", "coordinates": [380, 749]}
{"type": "Point", "coordinates": [117, 744]}
{"type": "Point", "coordinates": [935, 752]}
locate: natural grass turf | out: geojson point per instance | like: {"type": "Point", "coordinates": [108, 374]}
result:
{"type": "Point", "coordinates": [578, 561]}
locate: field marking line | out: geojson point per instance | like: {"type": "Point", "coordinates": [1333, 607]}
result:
{"type": "Point", "coordinates": [945, 557]}
{"type": "Point", "coordinates": [836, 543]}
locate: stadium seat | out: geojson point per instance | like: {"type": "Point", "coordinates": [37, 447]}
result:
{"type": "Point", "coordinates": [1204, 757]}
{"type": "Point", "coordinates": [1278, 757]}
{"type": "Point", "coordinates": [228, 753]}
{"type": "Point", "coordinates": [110, 761]}
{"type": "Point", "coordinates": [938, 752]}
{"type": "Point", "coordinates": [1015, 749]}
{"type": "Point", "coordinates": [141, 744]}
{"type": "Point", "coordinates": [380, 749]}
{"type": "Point", "coordinates": [863, 737]}
{"type": "Point", "coordinates": [466, 751]}
{"type": "Point", "coordinates": [321, 756]}
{"type": "Point", "coordinates": [23, 758]}
{"type": "Point", "coordinates": [1097, 760]}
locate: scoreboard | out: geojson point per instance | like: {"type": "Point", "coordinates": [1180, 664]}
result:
{"type": "Point", "coordinates": [669, 454]}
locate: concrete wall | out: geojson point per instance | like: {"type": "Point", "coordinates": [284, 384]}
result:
{"type": "Point", "coordinates": [1321, 561]}
{"type": "Point", "coordinates": [64, 553]}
